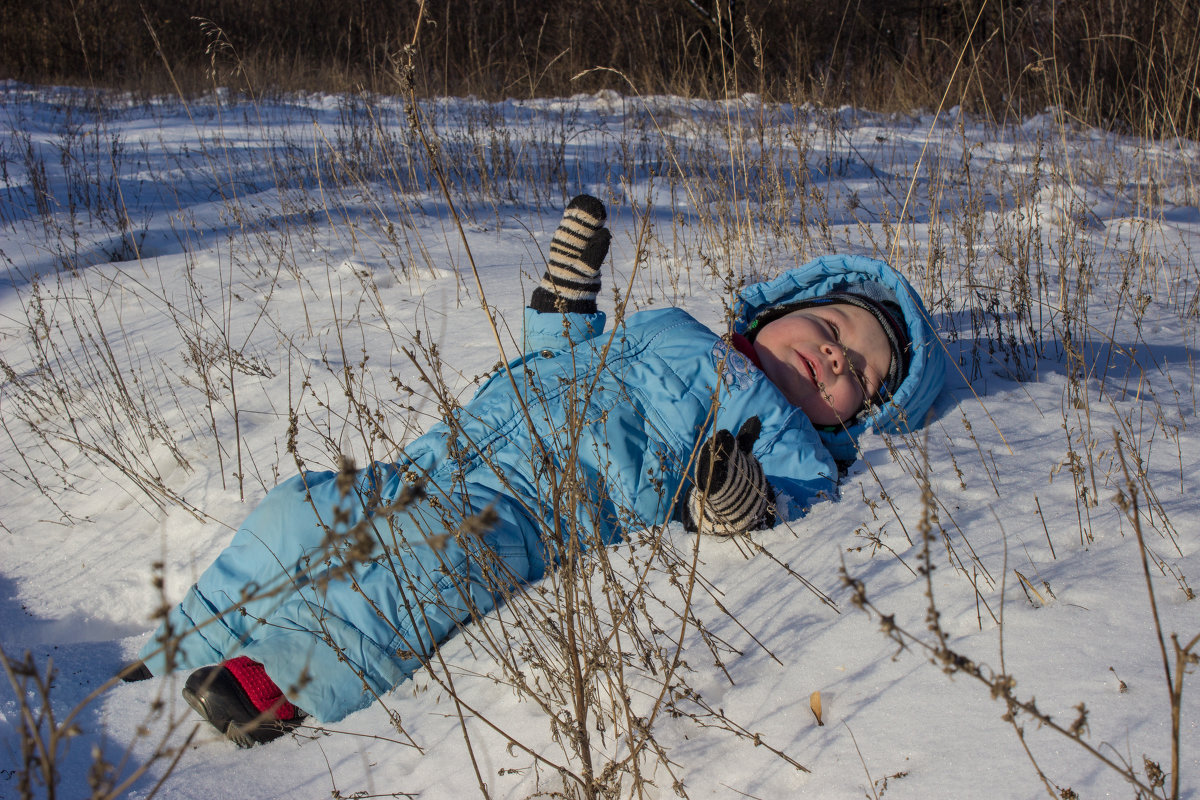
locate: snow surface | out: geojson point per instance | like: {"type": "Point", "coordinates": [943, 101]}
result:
{"type": "Point", "coordinates": [182, 234]}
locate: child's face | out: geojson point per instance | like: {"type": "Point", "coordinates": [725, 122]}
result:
{"type": "Point", "coordinates": [827, 360]}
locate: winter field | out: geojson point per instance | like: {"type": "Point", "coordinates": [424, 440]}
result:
{"type": "Point", "coordinates": [196, 299]}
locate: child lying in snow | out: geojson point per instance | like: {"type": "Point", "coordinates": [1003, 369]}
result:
{"type": "Point", "coordinates": [585, 435]}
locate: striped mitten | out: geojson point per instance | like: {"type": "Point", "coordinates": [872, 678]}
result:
{"type": "Point", "coordinates": [731, 494]}
{"type": "Point", "coordinates": [572, 278]}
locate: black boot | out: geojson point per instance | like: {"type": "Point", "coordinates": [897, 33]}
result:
{"type": "Point", "coordinates": [217, 696]}
{"type": "Point", "coordinates": [134, 672]}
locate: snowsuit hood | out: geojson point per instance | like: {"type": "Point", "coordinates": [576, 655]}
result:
{"type": "Point", "coordinates": [910, 403]}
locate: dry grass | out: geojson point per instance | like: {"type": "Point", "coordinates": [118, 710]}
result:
{"type": "Point", "coordinates": [1107, 63]}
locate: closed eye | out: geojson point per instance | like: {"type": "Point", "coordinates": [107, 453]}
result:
{"type": "Point", "coordinates": [857, 371]}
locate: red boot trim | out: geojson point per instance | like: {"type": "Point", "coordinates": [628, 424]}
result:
{"type": "Point", "coordinates": [261, 690]}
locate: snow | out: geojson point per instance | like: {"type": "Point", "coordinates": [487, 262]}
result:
{"type": "Point", "coordinates": [179, 281]}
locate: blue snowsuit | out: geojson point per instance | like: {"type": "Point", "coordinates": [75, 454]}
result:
{"type": "Point", "coordinates": [628, 408]}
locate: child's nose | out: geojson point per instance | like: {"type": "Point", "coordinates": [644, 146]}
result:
{"type": "Point", "coordinates": [835, 357]}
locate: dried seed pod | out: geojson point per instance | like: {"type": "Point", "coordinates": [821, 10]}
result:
{"type": "Point", "coordinates": [814, 702]}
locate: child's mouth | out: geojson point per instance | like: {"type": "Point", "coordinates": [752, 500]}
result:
{"type": "Point", "coordinates": [812, 372]}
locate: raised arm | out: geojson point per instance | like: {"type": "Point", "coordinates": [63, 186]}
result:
{"type": "Point", "coordinates": [562, 309]}
{"type": "Point", "coordinates": [572, 278]}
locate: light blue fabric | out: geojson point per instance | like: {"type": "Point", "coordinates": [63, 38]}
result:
{"type": "Point", "coordinates": [628, 407]}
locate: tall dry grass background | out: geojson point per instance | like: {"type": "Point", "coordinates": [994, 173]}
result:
{"type": "Point", "coordinates": [999, 243]}
{"type": "Point", "coordinates": [1104, 62]}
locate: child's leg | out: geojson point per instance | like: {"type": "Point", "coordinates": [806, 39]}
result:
{"type": "Point", "coordinates": [332, 649]}
{"type": "Point", "coordinates": [332, 644]}
{"type": "Point", "coordinates": [277, 551]}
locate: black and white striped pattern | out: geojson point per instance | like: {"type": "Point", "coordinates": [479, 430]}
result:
{"type": "Point", "coordinates": [731, 494]}
{"type": "Point", "coordinates": [572, 278]}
